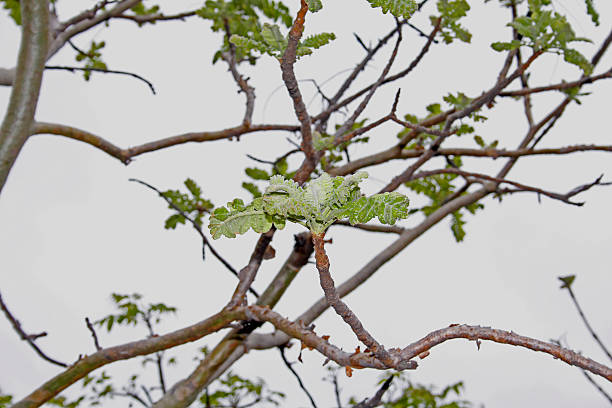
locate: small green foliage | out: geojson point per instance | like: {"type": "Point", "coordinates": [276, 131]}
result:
{"type": "Point", "coordinates": [242, 19]}
{"type": "Point", "coordinates": [132, 311]}
{"type": "Point", "coordinates": [399, 8]}
{"type": "Point", "coordinates": [234, 391]}
{"type": "Point", "coordinates": [592, 12]}
{"type": "Point", "coordinates": [567, 281]}
{"type": "Point", "coordinates": [437, 188]}
{"type": "Point", "coordinates": [14, 9]}
{"type": "Point", "coordinates": [274, 43]}
{"type": "Point", "coordinates": [316, 206]}
{"type": "Point", "coordinates": [62, 401]}
{"type": "Point", "coordinates": [5, 401]}
{"type": "Point", "coordinates": [141, 10]}
{"type": "Point", "coordinates": [451, 11]}
{"type": "Point", "coordinates": [547, 30]}
{"type": "Point", "coordinates": [191, 204]}
{"type": "Point", "coordinates": [421, 396]}
{"type": "Point", "coordinates": [314, 5]}
{"type": "Point", "coordinates": [92, 58]}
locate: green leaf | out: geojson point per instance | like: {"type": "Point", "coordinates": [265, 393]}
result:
{"type": "Point", "coordinates": [172, 221]}
{"type": "Point", "coordinates": [252, 188]}
{"type": "Point", "coordinates": [457, 224]}
{"type": "Point", "coordinates": [399, 8]}
{"type": "Point", "coordinates": [257, 174]}
{"type": "Point", "coordinates": [388, 207]}
{"type": "Point", "coordinates": [14, 9]}
{"type": "Point", "coordinates": [506, 46]}
{"type": "Point", "coordinates": [479, 141]}
{"type": "Point", "coordinates": [567, 281]}
{"type": "Point", "coordinates": [314, 5]}
{"type": "Point", "coordinates": [193, 187]}
{"type": "Point", "coordinates": [592, 12]}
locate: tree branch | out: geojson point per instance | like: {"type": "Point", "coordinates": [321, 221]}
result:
{"type": "Point", "coordinates": [15, 128]}
{"type": "Point", "coordinates": [126, 351]}
{"type": "Point", "coordinates": [126, 155]}
{"type": "Point", "coordinates": [29, 338]}
{"type": "Point", "coordinates": [501, 336]}
{"type": "Point", "coordinates": [297, 376]}
{"type": "Point", "coordinates": [288, 75]}
{"type": "Point", "coordinates": [376, 400]}
{"type": "Point", "coordinates": [198, 228]}
{"type": "Point", "coordinates": [104, 71]}
{"type": "Point", "coordinates": [586, 322]}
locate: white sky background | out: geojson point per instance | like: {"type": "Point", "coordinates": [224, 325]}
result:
{"type": "Point", "coordinates": [75, 230]}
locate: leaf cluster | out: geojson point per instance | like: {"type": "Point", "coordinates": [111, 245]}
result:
{"type": "Point", "coordinates": [242, 19]}
{"type": "Point", "coordinates": [92, 58]}
{"type": "Point", "coordinates": [191, 204]}
{"type": "Point", "coordinates": [421, 396]}
{"type": "Point", "coordinates": [398, 8]}
{"type": "Point", "coordinates": [546, 30]}
{"type": "Point", "coordinates": [132, 312]}
{"type": "Point", "coordinates": [316, 206]}
{"type": "Point", "coordinates": [274, 43]}
{"type": "Point", "coordinates": [233, 391]}
{"type": "Point", "coordinates": [334, 149]}
{"type": "Point", "coordinates": [437, 188]}
{"type": "Point", "coordinates": [279, 167]}
{"type": "Point", "coordinates": [451, 11]}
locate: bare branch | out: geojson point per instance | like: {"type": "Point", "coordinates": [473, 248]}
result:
{"type": "Point", "coordinates": [247, 274]}
{"type": "Point", "coordinates": [376, 400]}
{"type": "Point", "coordinates": [297, 376]}
{"type": "Point", "coordinates": [29, 338]}
{"type": "Point", "coordinates": [126, 155]}
{"type": "Point", "coordinates": [586, 322]}
{"type": "Point", "coordinates": [93, 333]}
{"type": "Point", "coordinates": [126, 351]}
{"type": "Point", "coordinates": [520, 187]}
{"type": "Point", "coordinates": [154, 18]}
{"type": "Point", "coordinates": [387, 80]}
{"type": "Point", "coordinates": [19, 116]}
{"type": "Point", "coordinates": [597, 387]}
{"type": "Point", "coordinates": [341, 308]}
{"type": "Point", "coordinates": [287, 62]}
{"type": "Point", "coordinates": [501, 336]}
{"type": "Point", "coordinates": [198, 228]}
{"type": "Point", "coordinates": [104, 71]}
{"type": "Point", "coordinates": [558, 87]}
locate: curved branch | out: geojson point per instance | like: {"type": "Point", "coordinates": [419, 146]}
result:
{"type": "Point", "coordinates": [102, 70]}
{"type": "Point", "coordinates": [126, 155]}
{"type": "Point", "coordinates": [126, 351]}
{"type": "Point", "coordinates": [477, 333]}
{"type": "Point", "coordinates": [19, 116]}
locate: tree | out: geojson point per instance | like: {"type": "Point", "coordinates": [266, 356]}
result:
{"type": "Point", "coordinates": [437, 150]}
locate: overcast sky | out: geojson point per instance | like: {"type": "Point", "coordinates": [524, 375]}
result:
{"type": "Point", "coordinates": [74, 230]}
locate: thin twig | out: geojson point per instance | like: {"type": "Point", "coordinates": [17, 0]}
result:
{"type": "Point", "coordinates": [297, 376]}
{"type": "Point", "coordinates": [93, 333]}
{"type": "Point", "coordinates": [103, 71]}
{"type": "Point", "coordinates": [393, 229]}
{"type": "Point", "coordinates": [198, 228]}
{"type": "Point", "coordinates": [376, 399]}
{"type": "Point", "coordinates": [28, 337]}
{"type": "Point", "coordinates": [586, 322]}
{"type": "Point", "coordinates": [597, 387]}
